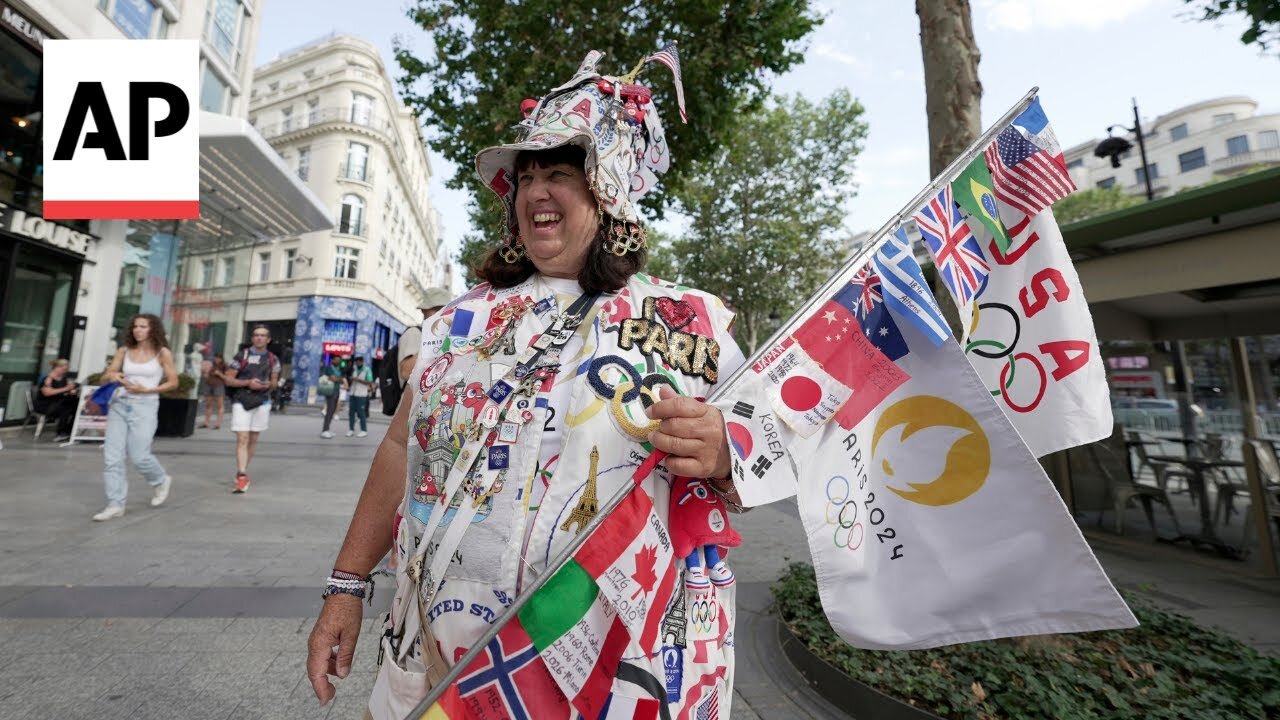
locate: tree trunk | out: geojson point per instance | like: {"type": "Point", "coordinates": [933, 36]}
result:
{"type": "Point", "coordinates": [953, 97]}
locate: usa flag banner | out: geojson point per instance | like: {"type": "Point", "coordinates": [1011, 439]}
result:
{"type": "Point", "coordinates": [1032, 341]}
{"type": "Point", "coordinates": [1028, 331]}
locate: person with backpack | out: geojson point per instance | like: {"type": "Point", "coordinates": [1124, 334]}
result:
{"type": "Point", "coordinates": [358, 400]}
{"type": "Point", "coordinates": [253, 372]}
{"type": "Point", "coordinates": [398, 364]}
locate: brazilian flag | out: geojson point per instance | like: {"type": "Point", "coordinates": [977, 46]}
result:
{"type": "Point", "coordinates": [972, 190]}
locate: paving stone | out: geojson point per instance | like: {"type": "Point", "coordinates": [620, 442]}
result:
{"type": "Point", "coordinates": [230, 638]}
{"type": "Point", "coordinates": [150, 663]}
{"type": "Point", "coordinates": [190, 625]}
{"type": "Point", "coordinates": [231, 663]}
{"type": "Point", "coordinates": [271, 626]}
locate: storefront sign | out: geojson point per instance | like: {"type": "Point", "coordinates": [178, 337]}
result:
{"type": "Point", "coordinates": [21, 26]}
{"type": "Point", "coordinates": [338, 348]}
{"type": "Point", "coordinates": [35, 227]}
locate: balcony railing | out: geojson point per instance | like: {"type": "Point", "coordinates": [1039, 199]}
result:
{"type": "Point", "coordinates": [348, 114]}
{"type": "Point", "coordinates": [1240, 161]}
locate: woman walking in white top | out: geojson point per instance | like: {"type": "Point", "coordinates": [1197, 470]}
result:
{"type": "Point", "coordinates": [144, 368]}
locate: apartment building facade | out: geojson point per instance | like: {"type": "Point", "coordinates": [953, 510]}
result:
{"type": "Point", "coordinates": [330, 110]}
{"type": "Point", "coordinates": [1189, 146]}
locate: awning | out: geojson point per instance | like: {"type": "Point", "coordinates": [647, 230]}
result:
{"type": "Point", "coordinates": [247, 192]}
{"type": "Point", "coordinates": [1204, 263]}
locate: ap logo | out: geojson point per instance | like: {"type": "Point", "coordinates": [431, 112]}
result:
{"type": "Point", "coordinates": [121, 131]}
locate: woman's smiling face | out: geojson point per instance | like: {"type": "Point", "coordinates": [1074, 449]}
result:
{"type": "Point", "coordinates": [557, 216]}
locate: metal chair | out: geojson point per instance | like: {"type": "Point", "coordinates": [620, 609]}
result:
{"type": "Point", "coordinates": [39, 417]}
{"type": "Point", "coordinates": [1227, 485]}
{"type": "Point", "coordinates": [1269, 474]}
{"type": "Point", "coordinates": [1163, 472]}
{"type": "Point", "coordinates": [1124, 491]}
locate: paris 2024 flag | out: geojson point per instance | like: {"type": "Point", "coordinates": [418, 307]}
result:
{"type": "Point", "coordinates": [928, 519]}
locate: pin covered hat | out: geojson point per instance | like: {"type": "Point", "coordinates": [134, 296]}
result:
{"type": "Point", "coordinates": [613, 119]}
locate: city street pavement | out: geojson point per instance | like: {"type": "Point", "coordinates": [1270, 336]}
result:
{"type": "Point", "coordinates": [201, 608]}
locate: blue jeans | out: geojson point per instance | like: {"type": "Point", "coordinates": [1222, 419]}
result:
{"type": "Point", "coordinates": [358, 407]}
{"type": "Point", "coordinates": [131, 424]}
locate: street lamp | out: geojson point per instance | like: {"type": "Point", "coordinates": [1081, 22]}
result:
{"type": "Point", "coordinates": [1114, 147]}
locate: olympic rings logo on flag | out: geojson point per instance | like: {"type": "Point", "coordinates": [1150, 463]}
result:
{"type": "Point", "coordinates": [842, 512]}
{"type": "Point", "coordinates": [1001, 350]}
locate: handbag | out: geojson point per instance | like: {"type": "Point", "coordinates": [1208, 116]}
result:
{"type": "Point", "coordinates": [326, 386]}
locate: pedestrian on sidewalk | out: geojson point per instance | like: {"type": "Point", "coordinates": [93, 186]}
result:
{"type": "Point", "coordinates": [411, 341]}
{"type": "Point", "coordinates": [330, 388]}
{"type": "Point", "coordinates": [144, 368]}
{"type": "Point", "coordinates": [215, 390]}
{"type": "Point", "coordinates": [253, 372]}
{"type": "Point", "coordinates": [361, 387]}
{"type": "Point", "coordinates": [492, 479]}
{"type": "Point", "coordinates": [58, 398]}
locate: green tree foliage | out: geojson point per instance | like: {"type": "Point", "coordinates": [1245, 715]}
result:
{"type": "Point", "coordinates": [766, 209]}
{"type": "Point", "coordinates": [1094, 201]}
{"type": "Point", "coordinates": [491, 54]}
{"type": "Point", "coordinates": [1263, 17]}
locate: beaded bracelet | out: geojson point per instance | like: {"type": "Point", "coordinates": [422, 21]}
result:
{"type": "Point", "coordinates": [340, 582]}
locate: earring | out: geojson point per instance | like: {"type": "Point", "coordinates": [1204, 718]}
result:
{"type": "Point", "coordinates": [513, 251]}
{"type": "Point", "coordinates": [624, 237]}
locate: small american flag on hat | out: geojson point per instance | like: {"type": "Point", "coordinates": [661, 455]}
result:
{"type": "Point", "coordinates": [670, 57]}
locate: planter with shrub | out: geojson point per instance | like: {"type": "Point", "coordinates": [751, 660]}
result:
{"type": "Point", "coordinates": [1168, 668]}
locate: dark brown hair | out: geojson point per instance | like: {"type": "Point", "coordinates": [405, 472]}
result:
{"type": "Point", "coordinates": [603, 271]}
{"type": "Point", "coordinates": [155, 331]}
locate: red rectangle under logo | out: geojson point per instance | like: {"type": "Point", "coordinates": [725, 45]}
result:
{"type": "Point", "coordinates": [122, 209]}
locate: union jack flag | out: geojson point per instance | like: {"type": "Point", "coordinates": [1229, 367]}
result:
{"type": "Point", "coordinates": [670, 57]}
{"type": "Point", "coordinates": [954, 248]}
{"type": "Point", "coordinates": [867, 284]}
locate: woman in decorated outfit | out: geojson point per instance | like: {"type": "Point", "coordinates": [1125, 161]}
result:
{"type": "Point", "coordinates": [543, 391]}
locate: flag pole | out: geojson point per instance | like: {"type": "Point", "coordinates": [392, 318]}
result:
{"type": "Point", "coordinates": [879, 238]}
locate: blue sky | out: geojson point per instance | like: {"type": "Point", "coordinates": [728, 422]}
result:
{"type": "Point", "coordinates": [1089, 57]}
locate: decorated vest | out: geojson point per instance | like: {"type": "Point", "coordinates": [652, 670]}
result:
{"type": "Point", "coordinates": [475, 436]}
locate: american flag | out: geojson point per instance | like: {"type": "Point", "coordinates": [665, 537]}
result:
{"type": "Point", "coordinates": [670, 57]}
{"type": "Point", "coordinates": [1026, 164]}
{"type": "Point", "coordinates": [710, 708]}
{"type": "Point", "coordinates": [954, 248]}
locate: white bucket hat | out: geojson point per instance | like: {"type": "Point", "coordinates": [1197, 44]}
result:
{"type": "Point", "coordinates": [611, 118]}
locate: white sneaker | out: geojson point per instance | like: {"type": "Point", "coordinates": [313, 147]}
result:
{"type": "Point", "coordinates": [351, 433]}
{"type": "Point", "coordinates": [326, 435]}
{"type": "Point", "coordinates": [695, 578]}
{"type": "Point", "coordinates": [362, 434]}
{"type": "Point", "coordinates": [109, 512]}
{"type": "Point", "coordinates": [161, 492]}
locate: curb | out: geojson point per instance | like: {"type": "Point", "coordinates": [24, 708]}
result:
{"type": "Point", "coordinates": [842, 691]}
